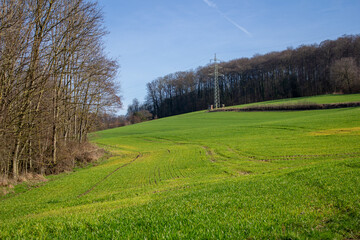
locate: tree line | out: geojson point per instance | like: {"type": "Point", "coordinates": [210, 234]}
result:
{"type": "Point", "coordinates": [333, 66]}
{"type": "Point", "coordinates": [55, 80]}
{"type": "Point", "coordinates": [136, 113]}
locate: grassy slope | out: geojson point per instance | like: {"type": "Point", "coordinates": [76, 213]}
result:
{"type": "Point", "coordinates": [207, 175]}
{"type": "Point", "coordinates": [321, 99]}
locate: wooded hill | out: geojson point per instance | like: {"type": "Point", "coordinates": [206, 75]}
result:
{"type": "Point", "coordinates": [54, 81]}
{"type": "Point", "coordinates": [328, 67]}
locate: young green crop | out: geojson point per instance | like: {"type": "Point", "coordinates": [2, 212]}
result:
{"type": "Point", "coordinates": [321, 99]}
{"type": "Point", "coordinates": [232, 175]}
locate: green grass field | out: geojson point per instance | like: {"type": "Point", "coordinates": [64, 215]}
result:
{"type": "Point", "coordinates": [224, 175]}
{"type": "Point", "coordinates": [321, 99]}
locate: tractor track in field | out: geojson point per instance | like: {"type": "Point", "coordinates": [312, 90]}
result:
{"type": "Point", "coordinates": [209, 153]}
{"type": "Point", "coordinates": [111, 173]}
{"type": "Point", "coordinates": [295, 157]}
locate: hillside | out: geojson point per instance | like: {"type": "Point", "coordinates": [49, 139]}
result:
{"type": "Point", "coordinates": [236, 175]}
{"type": "Point", "coordinates": [331, 66]}
{"type": "Point", "coordinates": [320, 99]}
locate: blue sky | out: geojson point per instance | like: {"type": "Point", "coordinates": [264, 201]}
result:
{"type": "Point", "coordinates": [152, 38]}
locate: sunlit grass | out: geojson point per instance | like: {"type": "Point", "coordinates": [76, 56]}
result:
{"type": "Point", "coordinates": [321, 99]}
{"type": "Point", "coordinates": [236, 175]}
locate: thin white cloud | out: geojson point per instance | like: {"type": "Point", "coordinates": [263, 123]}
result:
{"type": "Point", "coordinates": [210, 3]}
{"type": "Point", "coordinates": [213, 5]}
{"type": "Point", "coordinates": [235, 24]}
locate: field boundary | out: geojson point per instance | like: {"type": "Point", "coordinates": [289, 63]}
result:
{"type": "Point", "coordinates": [289, 107]}
{"type": "Point", "coordinates": [102, 180]}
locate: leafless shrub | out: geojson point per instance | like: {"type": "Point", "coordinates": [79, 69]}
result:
{"type": "Point", "coordinates": [75, 154]}
{"type": "Point", "coordinates": [4, 181]}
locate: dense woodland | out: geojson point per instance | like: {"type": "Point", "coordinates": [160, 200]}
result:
{"type": "Point", "coordinates": [55, 80]}
{"type": "Point", "coordinates": [328, 67]}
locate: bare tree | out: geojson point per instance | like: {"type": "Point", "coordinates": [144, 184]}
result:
{"type": "Point", "coordinates": [345, 75]}
{"type": "Point", "coordinates": [54, 80]}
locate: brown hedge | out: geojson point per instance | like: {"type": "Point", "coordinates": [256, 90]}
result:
{"type": "Point", "coordinates": [289, 107]}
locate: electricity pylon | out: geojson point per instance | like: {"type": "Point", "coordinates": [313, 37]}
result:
{"type": "Point", "coordinates": [216, 84]}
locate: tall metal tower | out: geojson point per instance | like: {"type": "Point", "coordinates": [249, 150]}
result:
{"type": "Point", "coordinates": [216, 84]}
